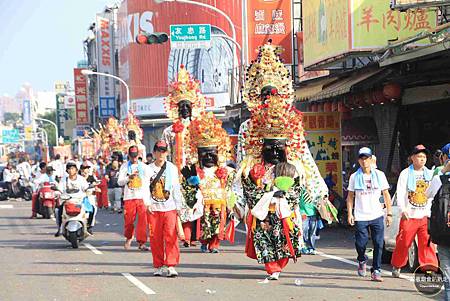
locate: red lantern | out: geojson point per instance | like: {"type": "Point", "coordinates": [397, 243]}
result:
{"type": "Point", "coordinates": [327, 106]}
{"type": "Point", "coordinates": [378, 97]}
{"type": "Point", "coordinates": [392, 91]}
{"type": "Point", "coordinates": [334, 106]}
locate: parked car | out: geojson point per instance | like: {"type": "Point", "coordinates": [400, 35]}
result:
{"type": "Point", "coordinates": [390, 234]}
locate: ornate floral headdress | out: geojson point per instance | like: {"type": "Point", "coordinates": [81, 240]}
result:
{"type": "Point", "coordinates": [185, 88]}
{"type": "Point", "coordinates": [267, 70]}
{"type": "Point", "coordinates": [132, 123]}
{"type": "Point", "coordinates": [110, 136]}
{"type": "Point", "coordinates": [207, 131]}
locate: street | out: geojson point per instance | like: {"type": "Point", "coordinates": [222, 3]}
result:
{"type": "Point", "coordinates": [38, 266]}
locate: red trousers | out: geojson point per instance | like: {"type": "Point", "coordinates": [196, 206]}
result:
{"type": "Point", "coordinates": [164, 238]}
{"type": "Point", "coordinates": [213, 243]}
{"type": "Point", "coordinates": [405, 237]}
{"type": "Point", "coordinates": [276, 266]}
{"type": "Point", "coordinates": [131, 208]}
{"type": "Point", "coordinates": [102, 196]}
{"type": "Point", "coordinates": [187, 229]}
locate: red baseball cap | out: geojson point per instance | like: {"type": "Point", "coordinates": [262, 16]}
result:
{"type": "Point", "coordinates": [160, 145]}
{"type": "Point", "coordinates": [420, 149]}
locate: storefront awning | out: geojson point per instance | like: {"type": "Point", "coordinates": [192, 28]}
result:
{"type": "Point", "coordinates": [344, 85]}
{"type": "Point", "coordinates": [305, 92]}
{"type": "Point", "coordinates": [359, 131]}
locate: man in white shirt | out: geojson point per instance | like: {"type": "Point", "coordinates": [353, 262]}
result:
{"type": "Point", "coordinates": [24, 168]}
{"type": "Point", "coordinates": [415, 209]}
{"type": "Point", "coordinates": [364, 190]}
{"type": "Point", "coordinates": [134, 175]}
{"type": "Point", "coordinates": [165, 203]}
{"type": "Point", "coordinates": [58, 166]}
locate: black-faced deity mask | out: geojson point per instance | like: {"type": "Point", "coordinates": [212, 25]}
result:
{"type": "Point", "coordinates": [267, 91]}
{"type": "Point", "coordinates": [131, 135]}
{"type": "Point", "coordinates": [185, 109]}
{"type": "Point", "coordinates": [274, 151]}
{"type": "Point", "coordinates": [207, 156]}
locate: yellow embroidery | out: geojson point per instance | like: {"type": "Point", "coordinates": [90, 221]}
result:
{"type": "Point", "coordinates": [418, 197]}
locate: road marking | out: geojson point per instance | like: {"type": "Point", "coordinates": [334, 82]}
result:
{"type": "Point", "coordinates": [354, 263]}
{"type": "Point", "coordinates": [6, 206]}
{"type": "Point", "coordinates": [409, 278]}
{"type": "Point", "coordinates": [93, 249]}
{"type": "Point", "coordinates": [139, 284]}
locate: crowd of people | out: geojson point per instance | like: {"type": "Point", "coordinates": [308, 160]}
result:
{"type": "Point", "coordinates": [186, 189]}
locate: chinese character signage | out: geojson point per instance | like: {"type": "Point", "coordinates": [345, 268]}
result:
{"type": "Point", "coordinates": [81, 102]}
{"type": "Point", "coordinates": [105, 64]}
{"type": "Point", "coordinates": [335, 27]}
{"type": "Point", "coordinates": [26, 112]}
{"type": "Point", "coordinates": [270, 20]}
{"type": "Point", "coordinates": [190, 36]}
{"type": "Point", "coordinates": [374, 23]}
{"type": "Point", "coordinates": [323, 133]}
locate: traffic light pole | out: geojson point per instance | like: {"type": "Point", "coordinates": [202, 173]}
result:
{"type": "Point", "coordinates": [54, 124]}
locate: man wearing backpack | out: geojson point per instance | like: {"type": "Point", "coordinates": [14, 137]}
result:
{"type": "Point", "coordinates": [439, 227]}
{"type": "Point", "coordinates": [415, 211]}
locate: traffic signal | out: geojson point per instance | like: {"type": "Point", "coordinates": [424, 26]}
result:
{"type": "Point", "coordinates": [152, 38]}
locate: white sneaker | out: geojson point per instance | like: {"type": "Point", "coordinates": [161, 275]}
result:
{"type": "Point", "coordinates": [159, 272]}
{"type": "Point", "coordinates": [396, 272]}
{"type": "Point", "coordinates": [171, 272]}
{"type": "Point", "coordinates": [274, 276]}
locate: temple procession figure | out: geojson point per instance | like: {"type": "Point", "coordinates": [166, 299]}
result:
{"type": "Point", "coordinates": [110, 137]}
{"type": "Point", "coordinates": [184, 103]}
{"type": "Point", "coordinates": [277, 171]}
{"type": "Point", "coordinates": [207, 181]}
{"type": "Point", "coordinates": [134, 135]}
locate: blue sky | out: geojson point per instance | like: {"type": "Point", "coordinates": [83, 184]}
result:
{"type": "Point", "coordinates": [41, 40]}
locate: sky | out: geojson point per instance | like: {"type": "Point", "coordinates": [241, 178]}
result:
{"type": "Point", "coordinates": [41, 41]}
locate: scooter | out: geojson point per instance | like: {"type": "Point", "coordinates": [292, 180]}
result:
{"type": "Point", "coordinates": [22, 189]}
{"type": "Point", "coordinates": [48, 199]}
{"type": "Point", "coordinates": [74, 220]}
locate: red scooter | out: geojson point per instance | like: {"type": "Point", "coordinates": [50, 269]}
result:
{"type": "Point", "coordinates": [48, 199]}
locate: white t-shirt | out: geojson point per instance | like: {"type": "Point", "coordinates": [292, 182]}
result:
{"type": "Point", "coordinates": [141, 193]}
{"type": "Point", "coordinates": [415, 204]}
{"type": "Point", "coordinates": [367, 202]}
{"type": "Point", "coordinates": [79, 184]}
{"type": "Point", "coordinates": [175, 199]}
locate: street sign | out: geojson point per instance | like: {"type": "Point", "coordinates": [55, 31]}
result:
{"type": "Point", "coordinates": [26, 112]}
{"type": "Point", "coordinates": [29, 133]}
{"type": "Point", "coordinates": [10, 136]}
{"type": "Point", "coordinates": [190, 36]}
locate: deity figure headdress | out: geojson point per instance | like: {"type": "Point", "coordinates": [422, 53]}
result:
{"type": "Point", "coordinates": [132, 123]}
{"type": "Point", "coordinates": [207, 131]}
{"type": "Point", "coordinates": [184, 88]}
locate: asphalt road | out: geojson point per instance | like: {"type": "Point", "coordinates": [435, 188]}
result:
{"type": "Point", "coordinates": [34, 265]}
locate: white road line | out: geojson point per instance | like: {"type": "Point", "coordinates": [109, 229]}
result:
{"type": "Point", "coordinates": [139, 284]}
{"type": "Point", "coordinates": [93, 249]}
{"type": "Point", "coordinates": [354, 263]}
{"type": "Point", "coordinates": [409, 278]}
{"type": "Point", "coordinates": [6, 206]}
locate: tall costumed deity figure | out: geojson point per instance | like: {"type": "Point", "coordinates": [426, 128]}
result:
{"type": "Point", "coordinates": [183, 104]}
{"type": "Point", "coordinates": [134, 134]}
{"type": "Point", "coordinates": [277, 172]}
{"type": "Point", "coordinates": [207, 181]}
{"type": "Point", "coordinates": [110, 137]}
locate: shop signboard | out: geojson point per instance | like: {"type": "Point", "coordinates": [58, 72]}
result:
{"type": "Point", "coordinates": [323, 134]}
{"type": "Point", "coordinates": [333, 28]}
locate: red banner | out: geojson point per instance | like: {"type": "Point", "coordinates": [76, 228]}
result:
{"type": "Point", "coordinates": [270, 19]}
{"type": "Point", "coordinates": [81, 102]}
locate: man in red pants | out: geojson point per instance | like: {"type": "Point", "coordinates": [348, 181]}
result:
{"type": "Point", "coordinates": [134, 175]}
{"type": "Point", "coordinates": [415, 208]}
{"type": "Point", "coordinates": [163, 208]}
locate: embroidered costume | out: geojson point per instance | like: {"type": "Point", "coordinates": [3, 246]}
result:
{"type": "Point", "coordinates": [134, 134]}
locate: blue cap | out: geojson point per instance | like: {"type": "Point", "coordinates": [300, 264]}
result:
{"type": "Point", "coordinates": [446, 149]}
{"type": "Point", "coordinates": [364, 151]}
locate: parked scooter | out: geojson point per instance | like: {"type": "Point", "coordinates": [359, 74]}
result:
{"type": "Point", "coordinates": [3, 191]}
{"type": "Point", "coordinates": [22, 189]}
{"type": "Point", "coordinates": [48, 200]}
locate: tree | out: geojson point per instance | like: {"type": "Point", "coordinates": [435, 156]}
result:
{"type": "Point", "coordinates": [9, 117]}
{"type": "Point", "coordinates": [49, 128]}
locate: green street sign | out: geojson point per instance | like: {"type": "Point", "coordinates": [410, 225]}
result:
{"type": "Point", "coordinates": [190, 36]}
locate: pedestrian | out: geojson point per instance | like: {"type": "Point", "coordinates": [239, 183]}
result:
{"type": "Point", "coordinates": [58, 166]}
{"type": "Point", "coordinates": [443, 247]}
{"type": "Point", "coordinates": [163, 209]}
{"type": "Point", "coordinates": [415, 210]}
{"type": "Point", "coordinates": [149, 158]}
{"type": "Point", "coordinates": [8, 177]}
{"type": "Point", "coordinates": [102, 191]}
{"type": "Point", "coordinates": [309, 226]}
{"type": "Point", "coordinates": [132, 175]}
{"type": "Point", "coordinates": [114, 190]}
{"type": "Point", "coordinates": [37, 181]}
{"type": "Point", "coordinates": [365, 188]}
{"type": "Point", "coordinates": [24, 168]}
